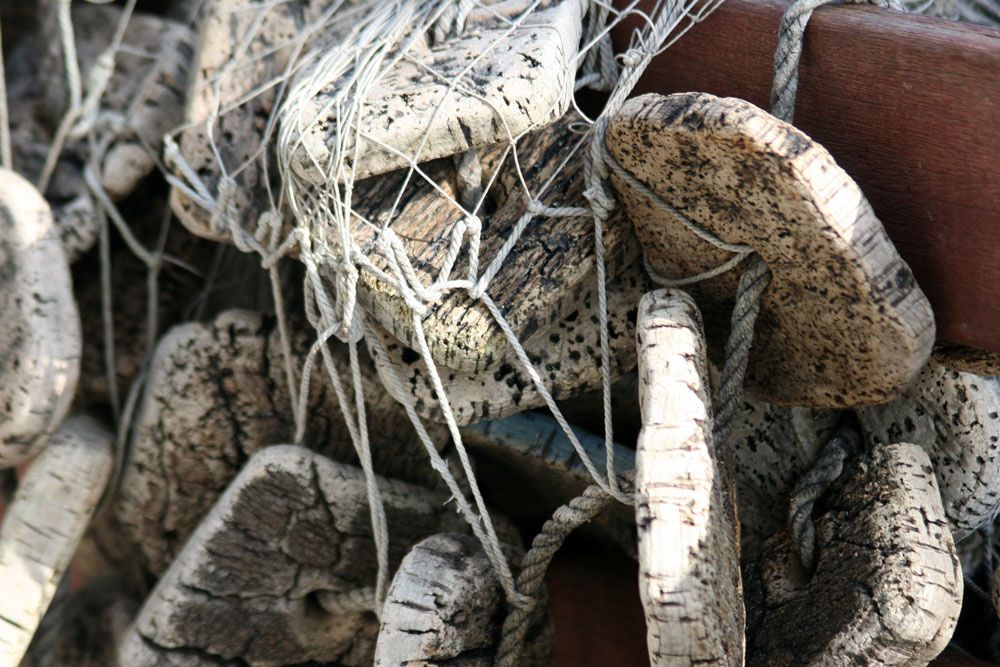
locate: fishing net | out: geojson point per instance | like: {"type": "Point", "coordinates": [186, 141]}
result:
{"type": "Point", "coordinates": [432, 166]}
{"type": "Point", "coordinates": [411, 155]}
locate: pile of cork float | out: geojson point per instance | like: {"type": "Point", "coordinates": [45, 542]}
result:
{"type": "Point", "coordinates": [300, 427]}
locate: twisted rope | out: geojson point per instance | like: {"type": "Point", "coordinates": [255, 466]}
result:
{"type": "Point", "coordinates": [791, 35]}
{"type": "Point", "coordinates": [753, 282]}
{"type": "Point", "coordinates": [564, 521]}
{"type": "Point", "coordinates": [811, 488]}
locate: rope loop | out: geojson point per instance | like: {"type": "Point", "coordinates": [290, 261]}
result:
{"type": "Point", "coordinates": [811, 487]}
{"type": "Point", "coordinates": [791, 34]}
{"type": "Point", "coordinates": [530, 580]}
{"type": "Point", "coordinates": [631, 58]}
{"type": "Point", "coordinates": [602, 203]}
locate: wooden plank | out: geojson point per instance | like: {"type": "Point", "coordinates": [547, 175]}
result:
{"type": "Point", "coordinates": [908, 106]}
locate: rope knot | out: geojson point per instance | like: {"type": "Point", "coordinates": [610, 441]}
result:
{"type": "Point", "coordinates": [523, 602]}
{"type": "Point", "coordinates": [631, 58]}
{"type": "Point", "coordinates": [601, 202]}
{"type": "Point", "coordinates": [473, 225]}
{"type": "Point", "coordinates": [535, 207]}
{"type": "Point", "coordinates": [268, 221]}
{"type": "Point", "coordinates": [346, 285]}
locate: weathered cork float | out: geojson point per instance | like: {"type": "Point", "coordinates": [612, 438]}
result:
{"type": "Point", "coordinates": [436, 333]}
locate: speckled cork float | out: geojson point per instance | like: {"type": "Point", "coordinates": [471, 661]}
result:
{"type": "Point", "coordinates": [685, 504]}
{"type": "Point", "coordinates": [509, 81]}
{"type": "Point", "coordinates": [567, 359]}
{"type": "Point", "coordinates": [842, 322]}
{"type": "Point", "coordinates": [539, 283]}
{"type": "Point", "coordinates": [955, 417]}
{"type": "Point", "coordinates": [40, 341]}
{"type": "Point", "coordinates": [887, 588]}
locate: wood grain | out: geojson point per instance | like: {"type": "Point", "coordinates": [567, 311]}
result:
{"type": "Point", "coordinates": [906, 104]}
{"type": "Point", "coordinates": [685, 503]}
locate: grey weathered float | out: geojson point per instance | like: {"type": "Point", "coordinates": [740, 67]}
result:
{"type": "Point", "coordinates": [215, 395]}
{"type": "Point", "coordinates": [887, 588]}
{"type": "Point", "coordinates": [253, 582]}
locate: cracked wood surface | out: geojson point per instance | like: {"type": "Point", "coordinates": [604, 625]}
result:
{"type": "Point", "coordinates": [216, 394]}
{"type": "Point", "coordinates": [244, 588]}
{"type": "Point", "coordinates": [489, 84]}
{"type": "Point", "coordinates": [955, 418]}
{"type": "Point", "coordinates": [446, 607]}
{"type": "Point", "coordinates": [44, 524]}
{"type": "Point", "coordinates": [567, 360]}
{"type": "Point", "coordinates": [842, 322]}
{"type": "Point", "coordinates": [888, 584]}
{"type": "Point", "coordinates": [685, 513]}
{"type": "Point", "coordinates": [40, 342]}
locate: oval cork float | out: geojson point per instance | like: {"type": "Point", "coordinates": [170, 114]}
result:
{"type": "Point", "coordinates": [842, 322]}
{"type": "Point", "coordinates": [689, 562]}
{"type": "Point", "coordinates": [955, 418]}
{"type": "Point", "coordinates": [40, 344]}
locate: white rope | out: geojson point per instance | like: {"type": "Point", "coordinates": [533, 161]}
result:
{"type": "Point", "coordinates": [377, 37]}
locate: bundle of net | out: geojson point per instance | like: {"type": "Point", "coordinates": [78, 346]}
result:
{"type": "Point", "coordinates": [430, 166]}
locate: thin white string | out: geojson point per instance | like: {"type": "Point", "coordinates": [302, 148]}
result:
{"type": "Point", "coordinates": [382, 35]}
